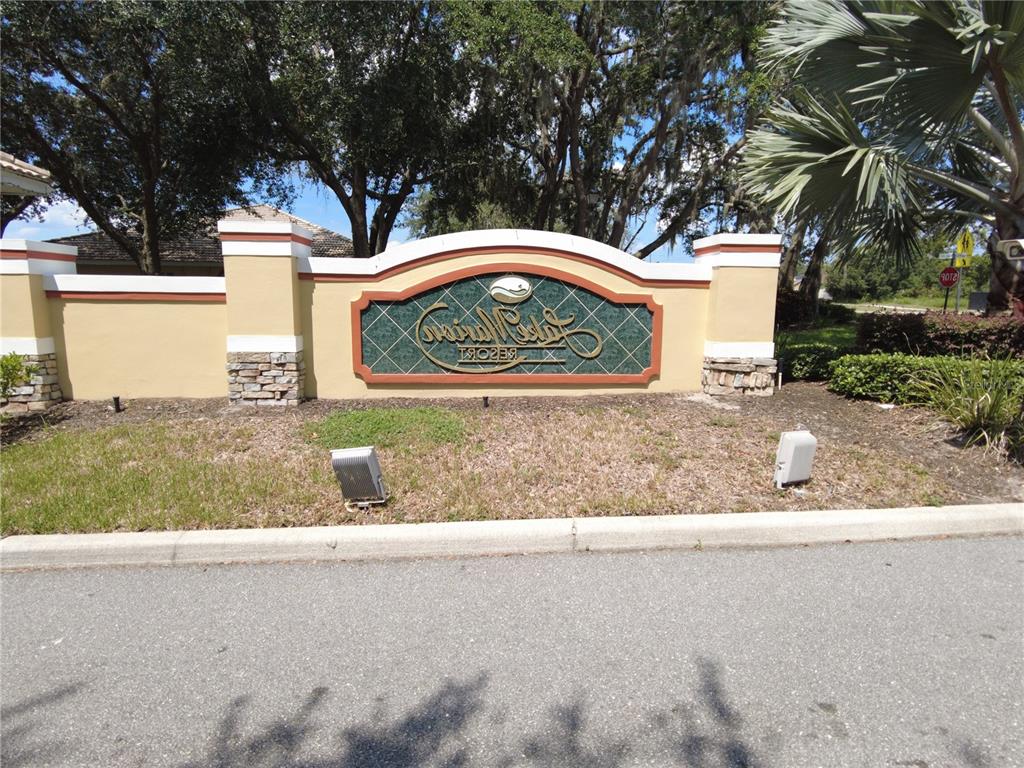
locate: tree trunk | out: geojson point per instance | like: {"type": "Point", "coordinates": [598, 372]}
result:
{"type": "Point", "coordinates": [1006, 284]}
{"type": "Point", "coordinates": [811, 283]}
{"type": "Point", "coordinates": [791, 257]}
{"type": "Point", "coordinates": [151, 264]}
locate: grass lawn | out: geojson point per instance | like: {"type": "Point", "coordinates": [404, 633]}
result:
{"type": "Point", "coordinates": [209, 466]}
{"type": "Point", "coordinates": [925, 302]}
{"type": "Point", "coordinates": [844, 335]}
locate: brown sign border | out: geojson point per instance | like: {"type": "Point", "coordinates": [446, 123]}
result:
{"type": "Point", "coordinates": [363, 371]}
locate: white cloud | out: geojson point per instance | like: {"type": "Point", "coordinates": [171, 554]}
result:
{"type": "Point", "coordinates": [59, 220]}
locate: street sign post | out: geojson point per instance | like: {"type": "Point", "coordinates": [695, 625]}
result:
{"type": "Point", "coordinates": [949, 277]}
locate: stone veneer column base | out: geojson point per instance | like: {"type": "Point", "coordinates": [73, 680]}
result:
{"type": "Point", "coordinates": [41, 391]}
{"type": "Point", "coordinates": [266, 378]}
{"type": "Point", "coordinates": [739, 375]}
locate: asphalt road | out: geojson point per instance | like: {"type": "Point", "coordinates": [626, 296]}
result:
{"type": "Point", "coordinates": [898, 654]}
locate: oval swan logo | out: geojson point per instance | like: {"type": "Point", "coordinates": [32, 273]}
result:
{"type": "Point", "coordinates": [510, 290]}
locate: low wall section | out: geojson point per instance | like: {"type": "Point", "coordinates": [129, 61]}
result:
{"type": "Point", "coordinates": [501, 312]}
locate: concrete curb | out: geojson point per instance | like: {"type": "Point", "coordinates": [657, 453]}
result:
{"type": "Point", "coordinates": [505, 537]}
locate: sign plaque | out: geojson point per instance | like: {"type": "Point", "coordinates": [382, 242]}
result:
{"type": "Point", "coordinates": [529, 325]}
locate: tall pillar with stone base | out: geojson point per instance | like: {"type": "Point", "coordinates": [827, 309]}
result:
{"type": "Point", "coordinates": [739, 354]}
{"type": "Point", "coordinates": [25, 325]}
{"type": "Point", "coordinates": [265, 366]}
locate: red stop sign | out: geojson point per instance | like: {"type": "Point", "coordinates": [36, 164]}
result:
{"type": "Point", "coordinates": [949, 277]}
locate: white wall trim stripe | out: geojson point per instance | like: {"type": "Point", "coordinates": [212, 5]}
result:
{"type": "Point", "coordinates": [735, 238]}
{"type": "Point", "coordinates": [37, 245]}
{"type": "Point", "coordinates": [399, 255]}
{"type": "Point", "coordinates": [264, 343]}
{"type": "Point", "coordinates": [133, 284]}
{"type": "Point", "coordinates": [739, 349]}
{"type": "Point", "coordinates": [768, 260]}
{"type": "Point", "coordinates": [248, 227]}
{"type": "Point", "coordinates": [36, 267]}
{"type": "Point", "coordinates": [27, 345]}
{"type": "Point", "coordinates": [263, 248]}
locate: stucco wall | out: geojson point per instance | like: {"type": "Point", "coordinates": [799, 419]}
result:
{"type": "Point", "coordinates": [327, 332]}
{"type": "Point", "coordinates": [139, 348]}
{"type": "Point", "coordinates": [143, 336]}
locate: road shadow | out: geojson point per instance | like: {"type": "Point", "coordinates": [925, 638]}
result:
{"type": "Point", "coordinates": [448, 729]}
{"type": "Point", "coordinates": [20, 743]}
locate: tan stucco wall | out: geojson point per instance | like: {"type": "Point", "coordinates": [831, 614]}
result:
{"type": "Point", "coordinates": [263, 295]}
{"type": "Point", "coordinates": [139, 348]}
{"type": "Point", "coordinates": [328, 333]}
{"type": "Point", "coordinates": [742, 304]}
{"type": "Point", "coordinates": [160, 348]}
{"type": "Point", "coordinates": [23, 307]}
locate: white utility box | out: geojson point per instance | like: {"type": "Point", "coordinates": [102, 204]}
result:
{"type": "Point", "coordinates": [794, 458]}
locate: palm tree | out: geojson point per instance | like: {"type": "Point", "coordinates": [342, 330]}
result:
{"type": "Point", "coordinates": [905, 115]}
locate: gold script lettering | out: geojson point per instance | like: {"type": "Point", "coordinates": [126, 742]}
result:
{"type": "Point", "coordinates": [503, 334]}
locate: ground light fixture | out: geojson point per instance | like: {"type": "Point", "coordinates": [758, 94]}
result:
{"type": "Point", "coordinates": [359, 475]}
{"type": "Point", "coordinates": [794, 458]}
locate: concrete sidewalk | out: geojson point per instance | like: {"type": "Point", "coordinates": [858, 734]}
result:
{"type": "Point", "coordinates": [506, 537]}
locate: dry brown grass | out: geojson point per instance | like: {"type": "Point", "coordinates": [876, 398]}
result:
{"type": "Point", "coordinates": [214, 467]}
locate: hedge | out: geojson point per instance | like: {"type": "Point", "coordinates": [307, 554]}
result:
{"type": "Point", "coordinates": [936, 334]}
{"type": "Point", "coordinates": [890, 378]}
{"type": "Point", "coordinates": [808, 362]}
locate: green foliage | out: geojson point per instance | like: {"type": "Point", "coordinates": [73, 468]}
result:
{"type": "Point", "coordinates": [794, 309]}
{"type": "Point", "coordinates": [805, 354]}
{"type": "Point", "coordinates": [13, 373]}
{"type": "Point", "coordinates": [934, 333]}
{"type": "Point", "coordinates": [807, 362]}
{"type": "Point", "coordinates": [891, 378]}
{"type": "Point", "coordinates": [379, 99]}
{"type": "Point", "coordinates": [983, 398]}
{"type": "Point", "coordinates": [905, 115]}
{"type": "Point", "coordinates": [407, 428]}
{"type": "Point", "coordinates": [842, 335]}
{"type": "Point", "coordinates": [632, 112]}
{"type": "Point", "coordinates": [869, 276]}
{"type": "Point", "coordinates": [138, 111]}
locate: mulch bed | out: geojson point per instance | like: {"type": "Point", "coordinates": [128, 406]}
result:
{"type": "Point", "coordinates": [606, 455]}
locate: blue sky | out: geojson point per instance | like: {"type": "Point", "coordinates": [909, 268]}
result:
{"type": "Point", "coordinates": [314, 203]}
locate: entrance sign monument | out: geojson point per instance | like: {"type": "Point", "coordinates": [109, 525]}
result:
{"type": "Point", "coordinates": [497, 312]}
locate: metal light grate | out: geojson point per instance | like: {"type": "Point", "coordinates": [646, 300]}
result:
{"type": "Point", "coordinates": [358, 473]}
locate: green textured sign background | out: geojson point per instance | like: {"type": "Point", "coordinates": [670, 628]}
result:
{"type": "Point", "coordinates": [388, 328]}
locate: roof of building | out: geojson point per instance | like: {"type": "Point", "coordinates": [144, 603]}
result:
{"type": "Point", "coordinates": [20, 178]}
{"type": "Point", "coordinates": [205, 247]}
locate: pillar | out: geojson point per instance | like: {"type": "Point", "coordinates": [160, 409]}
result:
{"type": "Point", "coordinates": [265, 364]}
{"type": "Point", "coordinates": [739, 350]}
{"type": "Point", "coordinates": [25, 325]}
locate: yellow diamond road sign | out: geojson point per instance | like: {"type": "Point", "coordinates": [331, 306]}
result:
{"type": "Point", "coordinates": [965, 243]}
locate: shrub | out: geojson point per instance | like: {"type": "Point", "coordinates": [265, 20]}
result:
{"type": "Point", "coordinates": [981, 397]}
{"type": "Point", "coordinates": [791, 308]}
{"type": "Point", "coordinates": [837, 313]}
{"type": "Point", "coordinates": [807, 362]}
{"type": "Point", "coordinates": [893, 378]}
{"type": "Point", "coordinates": [14, 372]}
{"type": "Point", "coordinates": [936, 334]}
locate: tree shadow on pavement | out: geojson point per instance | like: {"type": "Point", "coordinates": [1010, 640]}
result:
{"type": "Point", "coordinates": [20, 745]}
{"type": "Point", "coordinates": [433, 733]}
